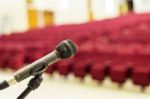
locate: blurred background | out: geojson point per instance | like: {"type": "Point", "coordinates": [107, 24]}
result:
{"type": "Point", "coordinates": [25, 14]}
{"type": "Point", "coordinates": [113, 38]}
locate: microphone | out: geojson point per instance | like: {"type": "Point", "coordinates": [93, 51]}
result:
{"type": "Point", "coordinates": [66, 49]}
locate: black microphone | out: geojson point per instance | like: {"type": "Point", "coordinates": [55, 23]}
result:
{"type": "Point", "coordinates": [65, 49]}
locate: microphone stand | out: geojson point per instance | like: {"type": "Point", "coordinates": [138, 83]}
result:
{"type": "Point", "coordinates": [33, 84]}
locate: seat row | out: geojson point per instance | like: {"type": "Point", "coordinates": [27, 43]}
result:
{"type": "Point", "coordinates": [118, 48]}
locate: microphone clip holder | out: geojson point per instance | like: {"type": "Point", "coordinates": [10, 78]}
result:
{"type": "Point", "coordinates": [39, 68]}
{"type": "Point", "coordinates": [33, 84]}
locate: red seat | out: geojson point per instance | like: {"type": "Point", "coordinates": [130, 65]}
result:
{"type": "Point", "coordinates": [141, 76]}
{"type": "Point", "coordinates": [33, 52]}
{"type": "Point", "coordinates": [2, 54]}
{"type": "Point", "coordinates": [119, 73]}
{"type": "Point", "coordinates": [16, 60]}
{"type": "Point", "coordinates": [51, 69]}
{"type": "Point", "coordinates": [64, 67]}
{"type": "Point", "coordinates": [80, 69]}
{"type": "Point", "coordinates": [98, 71]}
{"type": "Point", "coordinates": [5, 56]}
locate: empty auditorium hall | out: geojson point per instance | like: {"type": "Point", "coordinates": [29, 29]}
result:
{"type": "Point", "coordinates": [74, 49]}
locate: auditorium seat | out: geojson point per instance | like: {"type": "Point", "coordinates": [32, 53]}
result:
{"type": "Point", "coordinates": [16, 55]}
{"type": "Point", "coordinates": [141, 76]}
{"type": "Point", "coordinates": [98, 71]}
{"type": "Point", "coordinates": [2, 53]}
{"type": "Point", "coordinates": [123, 47]}
{"type": "Point", "coordinates": [120, 73]}
{"type": "Point", "coordinates": [5, 55]}
{"type": "Point", "coordinates": [51, 69]}
{"type": "Point", "coordinates": [80, 69]}
{"type": "Point", "coordinates": [64, 67]}
{"type": "Point", "coordinates": [33, 52]}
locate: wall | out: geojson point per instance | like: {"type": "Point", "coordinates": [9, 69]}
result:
{"type": "Point", "coordinates": [12, 16]}
{"type": "Point", "coordinates": [66, 11]}
{"type": "Point", "coordinates": [76, 11]}
{"type": "Point", "coordinates": [141, 6]}
{"type": "Point", "coordinates": [106, 8]}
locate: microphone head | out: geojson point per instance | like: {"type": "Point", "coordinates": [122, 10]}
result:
{"type": "Point", "coordinates": [66, 49]}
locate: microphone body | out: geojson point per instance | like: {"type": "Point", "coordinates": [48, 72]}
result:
{"type": "Point", "coordinates": [36, 67]}
{"type": "Point", "coordinates": [65, 49]}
